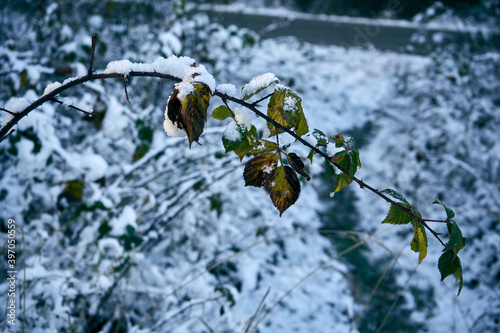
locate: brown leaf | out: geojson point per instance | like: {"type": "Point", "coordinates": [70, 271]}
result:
{"type": "Point", "coordinates": [259, 169]}
{"type": "Point", "coordinates": [284, 188]}
{"type": "Point", "coordinates": [297, 164]}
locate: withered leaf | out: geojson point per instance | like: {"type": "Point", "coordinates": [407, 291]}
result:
{"type": "Point", "coordinates": [297, 164]}
{"type": "Point", "coordinates": [259, 169]}
{"type": "Point", "coordinates": [190, 114]}
{"type": "Point", "coordinates": [284, 187]}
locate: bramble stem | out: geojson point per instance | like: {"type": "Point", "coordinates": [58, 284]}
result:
{"type": "Point", "coordinates": [4, 131]}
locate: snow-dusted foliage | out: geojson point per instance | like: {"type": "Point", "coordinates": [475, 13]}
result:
{"type": "Point", "coordinates": [129, 230]}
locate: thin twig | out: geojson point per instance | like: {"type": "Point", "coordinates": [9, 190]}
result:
{"type": "Point", "coordinates": [227, 106]}
{"type": "Point", "coordinates": [311, 273]}
{"type": "Point", "coordinates": [438, 221]}
{"type": "Point", "coordinates": [257, 311]}
{"type": "Point", "coordinates": [263, 98]}
{"type": "Point", "coordinates": [71, 106]}
{"type": "Point", "coordinates": [5, 137]}
{"type": "Point", "coordinates": [9, 112]}
{"type": "Point", "coordinates": [125, 87]}
{"type": "Point", "coordinates": [94, 39]}
{"type": "Point", "coordinates": [379, 329]}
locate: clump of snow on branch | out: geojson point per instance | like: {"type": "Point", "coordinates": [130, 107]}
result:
{"type": "Point", "coordinates": [227, 89]}
{"type": "Point", "coordinates": [51, 87]}
{"type": "Point", "coordinates": [258, 83]}
{"type": "Point", "coordinates": [18, 105]}
{"type": "Point", "coordinates": [179, 67]}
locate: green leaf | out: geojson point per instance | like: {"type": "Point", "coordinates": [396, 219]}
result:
{"type": "Point", "coordinates": [284, 188]}
{"type": "Point", "coordinates": [355, 158]}
{"type": "Point", "coordinates": [329, 170]}
{"type": "Point", "coordinates": [459, 277]}
{"type": "Point", "coordinates": [297, 164]}
{"type": "Point", "coordinates": [259, 169]}
{"type": "Point", "coordinates": [321, 138]}
{"type": "Point", "coordinates": [221, 112]}
{"type": "Point", "coordinates": [339, 140]}
{"type": "Point", "coordinates": [345, 161]}
{"type": "Point", "coordinates": [285, 107]}
{"type": "Point", "coordinates": [262, 82]}
{"type": "Point", "coordinates": [226, 293]}
{"type": "Point", "coordinates": [448, 264]}
{"type": "Point", "coordinates": [419, 242]}
{"type": "Point", "coordinates": [190, 114]}
{"type": "Point", "coordinates": [338, 157]}
{"type": "Point", "coordinates": [73, 191]}
{"type": "Point", "coordinates": [140, 150]}
{"type": "Point", "coordinates": [395, 195]}
{"type": "Point", "coordinates": [449, 213]}
{"type": "Point", "coordinates": [341, 181]}
{"type": "Point", "coordinates": [241, 143]}
{"type": "Point", "coordinates": [397, 216]}
{"type": "Point", "coordinates": [311, 155]}
{"type": "Point", "coordinates": [456, 242]}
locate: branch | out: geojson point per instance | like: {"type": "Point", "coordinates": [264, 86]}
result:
{"type": "Point", "coordinates": [360, 182]}
{"type": "Point", "coordinates": [4, 131]}
{"type": "Point", "coordinates": [9, 112]}
{"type": "Point", "coordinates": [71, 106]}
{"type": "Point", "coordinates": [89, 77]}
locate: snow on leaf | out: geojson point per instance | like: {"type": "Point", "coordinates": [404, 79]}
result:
{"type": "Point", "coordinates": [237, 138]}
{"type": "Point", "coordinates": [262, 146]}
{"type": "Point", "coordinates": [258, 170]}
{"type": "Point", "coordinates": [321, 138]}
{"type": "Point", "coordinates": [190, 114]}
{"type": "Point", "coordinates": [257, 84]}
{"type": "Point", "coordinates": [284, 188]}
{"type": "Point", "coordinates": [395, 195]}
{"type": "Point", "coordinates": [281, 111]}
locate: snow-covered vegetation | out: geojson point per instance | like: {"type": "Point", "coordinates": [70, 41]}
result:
{"type": "Point", "coordinates": [129, 230]}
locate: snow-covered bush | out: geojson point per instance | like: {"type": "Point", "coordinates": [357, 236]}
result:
{"type": "Point", "coordinates": [127, 229]}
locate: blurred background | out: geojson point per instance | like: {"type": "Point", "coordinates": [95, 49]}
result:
{"type": "Point", "coordinates": [128, 230]}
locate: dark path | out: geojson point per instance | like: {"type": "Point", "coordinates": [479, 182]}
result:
{"type": "Point", "coordinates": [344, 32]}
